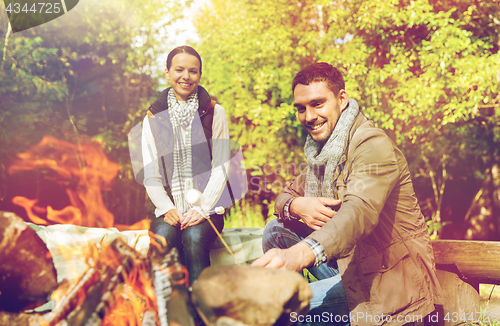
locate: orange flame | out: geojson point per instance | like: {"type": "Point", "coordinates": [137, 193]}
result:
{"type": "Point", "coordinates": [84, 163]}
{"type": "Point", "coordinates": [127, 302]}
{"type": "Point", "coordinates": [29, 206]}
{"type": "Point", "coordinates": [132, 298]}
{"type": "Point", "coordinates": [141, 225]}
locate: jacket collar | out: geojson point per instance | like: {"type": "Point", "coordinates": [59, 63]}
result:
{"type": "Point", "coordinates": [358, 121]}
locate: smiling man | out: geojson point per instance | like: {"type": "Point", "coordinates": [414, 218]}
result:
{"type": "Point", "coordinates": [351, 217]}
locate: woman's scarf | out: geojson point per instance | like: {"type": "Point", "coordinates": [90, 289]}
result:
{"type": "Point", "coordinates": [181, 116]}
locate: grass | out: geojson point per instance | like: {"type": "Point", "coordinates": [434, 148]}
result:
{"type": "Point", "coordinates": [490, 303]}
{"type": "Point", "coordinates": [244, 215]}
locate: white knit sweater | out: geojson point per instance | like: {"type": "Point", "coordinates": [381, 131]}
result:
{"type": "Point", "coordinates": [217, 180]}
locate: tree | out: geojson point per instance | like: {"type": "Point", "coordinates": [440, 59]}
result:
{"type": "Point", "coordinates": [86, 76]}
{"type": "Point", "coordinates": [425, 71]}
{"type": "Point", "coordinates": [430, 66]}
{"type": "Point", "coordinates": [251, 51]}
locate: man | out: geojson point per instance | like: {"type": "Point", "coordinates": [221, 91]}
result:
{"type": "Point", "coordinates": [378, 236]}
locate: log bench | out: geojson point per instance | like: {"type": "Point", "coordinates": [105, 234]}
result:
{"type": "Point", "coordinates": [461, 267]}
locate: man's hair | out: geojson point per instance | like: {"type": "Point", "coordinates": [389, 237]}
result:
{"type": "Point", "coordinates": [182, 49]}
{"type": "Point", "coordinates": [318, 72]}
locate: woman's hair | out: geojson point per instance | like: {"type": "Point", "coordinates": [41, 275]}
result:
{"type": "Point", "coordinates": [182, 49]}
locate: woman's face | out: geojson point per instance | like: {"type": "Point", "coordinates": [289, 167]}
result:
{"type": "Point", "coordinates": [184, 75]}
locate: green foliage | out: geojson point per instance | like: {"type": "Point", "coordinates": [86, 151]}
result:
{"type": "Point", "coordinates": [88, 75]}
{"type": "Point", "coordinates": [434, 227]}
{"type": "Point", "coordinates": [243, 216]}
{"type": "Point", "coordinates": [425, 71]}
{"type": "Point", "coordinates": [86, 71]}
{"type": "Point", "coordinates": [252, 54]}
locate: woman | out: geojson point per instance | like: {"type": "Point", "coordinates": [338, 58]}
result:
{"type": "Point", "coordinates": [180, 153]}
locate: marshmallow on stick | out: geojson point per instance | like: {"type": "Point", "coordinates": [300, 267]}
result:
{"type": "Point", "coordinates": [196, 198]}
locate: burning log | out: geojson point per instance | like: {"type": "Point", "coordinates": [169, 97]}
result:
{"type": "Point", "coordinates": [115, 290]}
{"type": "Point", "coordinates": [121, 287]}
{"type": "Point", "coordinates": [27, 273]}
{"type": "Point", "coordinates": [171, 288]}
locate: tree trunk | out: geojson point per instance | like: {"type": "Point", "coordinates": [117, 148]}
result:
{"type": "Point", "coordinates": [6, 43]}
{"type": "Point", "coordinates": [438, 186]}
{"type": "Point", "coordinates": [482, 218]}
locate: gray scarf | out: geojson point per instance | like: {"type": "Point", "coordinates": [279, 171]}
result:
{"type": "Point", "coordinates": [182, 116]}
{"type": "Point", "coordinates": [323, 160]}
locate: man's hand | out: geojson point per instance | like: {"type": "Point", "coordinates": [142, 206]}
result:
{"type": "Point", "coordinates": [173, 217]}
{"type": "Point", "coordinates": [313, 210]}
{"type": "Point", "coordinates": [190, 218]}
{"type": "Point", "coordinates": [295, 258]}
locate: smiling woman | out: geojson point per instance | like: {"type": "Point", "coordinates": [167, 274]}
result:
{"type": "Point", "coordinates": [179, 155]}
{"type": "Point", "coordinates": [184, 72]}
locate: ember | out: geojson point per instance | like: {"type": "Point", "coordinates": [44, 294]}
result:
{"type": "Point", "coordinates": [115, 290]}
{"type": "Point", "coordinates": [85, 167]}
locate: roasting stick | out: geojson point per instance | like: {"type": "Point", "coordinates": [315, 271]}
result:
{"type": "Point", "coordinates": [224, 242]}
{"type": "Point", "coordinates": [195, 198]}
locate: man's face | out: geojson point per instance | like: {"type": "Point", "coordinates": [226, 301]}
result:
{"type": "Point", "coordinates": [318, 109]}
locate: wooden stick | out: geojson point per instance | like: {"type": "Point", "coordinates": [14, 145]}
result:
{"type": "Point", "coordinates": [202, 315]}
{"type": "Point", "coordinates": [224, 242]}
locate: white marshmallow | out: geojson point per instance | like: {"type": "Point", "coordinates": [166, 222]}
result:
{"type": "Point", "coordinates": [195, 197]}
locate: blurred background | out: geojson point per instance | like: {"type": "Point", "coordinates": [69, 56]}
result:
{"type": "Point", "coordinates": [427, 72]}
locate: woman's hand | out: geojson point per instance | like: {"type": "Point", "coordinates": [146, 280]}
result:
{"type": "Point", "coordinates": [190, 218]}
{"type": "Point", "coordinates": [173, 217]}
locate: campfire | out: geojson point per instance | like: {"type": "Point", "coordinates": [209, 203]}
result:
{"type": "Point", "coordinates": [83, 166]}
{"type": "Point", "coordinates": [116, 289]}
{"type": "Point", "coordinates": [119, 285]}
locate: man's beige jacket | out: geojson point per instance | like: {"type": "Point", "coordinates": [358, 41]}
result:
{"type": "Point", "coordinates": [378, 236]}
